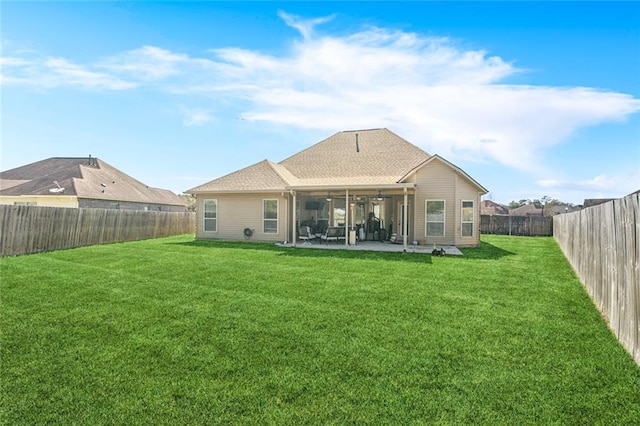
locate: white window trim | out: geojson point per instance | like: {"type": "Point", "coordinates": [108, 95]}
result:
{"type": "Point", "coordinates": [277, 219]}
{"type": "Point", "coordinates": [444, 220]}
{"type": "Point", "coordinates": [473, 220]}
{"type": "Point", "coordinates": [204, 217]}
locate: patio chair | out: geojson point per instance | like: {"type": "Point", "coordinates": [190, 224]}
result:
{"type": "Point", "coordinates": [332, 234]}
{"type": "Point", "coordinates": [305, 234]}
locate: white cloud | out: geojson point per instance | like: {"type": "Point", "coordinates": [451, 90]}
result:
{"type": "Point", "coordinates": [63, 72]}
{"type": "Point", "coordinates": [58, 72]}
{"type": "Point", "coordinates": [599, 184]}
{"type": "Point", "coordinates": [446, 98]}
{"type": "Point", "coordinates": [305, 26]}
{"type": "Point", "coordinates": [146, 63]}
{"type": "Point", "coordinates": [9, 61]}
{"type": "Point", "coordinates": [196, 117]}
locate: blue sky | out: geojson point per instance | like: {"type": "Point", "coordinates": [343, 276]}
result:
{"type": "Point", "coordinates": [532, 99]}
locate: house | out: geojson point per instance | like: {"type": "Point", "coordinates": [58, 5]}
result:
{"type": "Point", "coordinates": [590, 202]}
{"type": "Point", "coordinates": [491, 208]}
{"type": "Point", "coordinates": [535, 209]}
{"type": "Point", "coordinates": [372, 184]}
{"type": "Point", "coordinates": [82, 183]}
{"type": "Point", "coordinates": [530, 209]}
{"type": "Point", "coordinates": [559, 209]}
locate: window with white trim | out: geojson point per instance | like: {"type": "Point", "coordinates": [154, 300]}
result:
{"type": "Point", "coordinates": [270, 216]}
{"type": "Point", "coordinates": [434, 218]}
{"type": "Point", "coordinates": [211, 215]}
{"type": "Point", "coordinates": [467, 218]}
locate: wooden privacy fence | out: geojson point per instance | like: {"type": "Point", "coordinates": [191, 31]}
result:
{"type": "Point", "coordinates": [31, 229]}
{"type": "Point", "coordinates": [602, 243]}
{"type": "Point", "coordinates": [516, 225]}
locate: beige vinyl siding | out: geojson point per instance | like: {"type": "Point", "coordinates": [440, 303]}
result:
{"type": "Point", "coordinates": [436, 180]}
{"type": "Point", "coordinates": [69, 201]}
{"type": "Point", "coordinates": [239, 211]}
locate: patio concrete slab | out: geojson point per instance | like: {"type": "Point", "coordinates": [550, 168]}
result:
{"type": "Point", "coordinates": [376, 246]}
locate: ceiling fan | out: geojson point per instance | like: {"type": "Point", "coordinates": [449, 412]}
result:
{"type": "Point", "coordinates": [380, 197]}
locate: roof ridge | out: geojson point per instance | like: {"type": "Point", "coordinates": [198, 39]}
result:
{"type": "Point", "coordinates": [364, 130]}
{"type": "Point", "coordinates": [278, 168]}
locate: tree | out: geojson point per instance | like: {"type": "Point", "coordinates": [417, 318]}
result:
{"type": "Point", "coordinates": [516, 204]}
{"type": "Point", "coordinates": [543, 202]}
{"type": "Point", "coordinates": [190, 201]}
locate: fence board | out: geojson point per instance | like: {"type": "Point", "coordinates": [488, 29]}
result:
{"type": "Point", "coordinates": [32, 229]}
{"type": "Point", "coordinates": [516, 225]}
{"type": "Point", "coordinates": [602, 243]}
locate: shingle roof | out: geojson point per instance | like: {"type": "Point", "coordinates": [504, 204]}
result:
{"type": "Point", "coordinates": [84, 178]}
{"type": "Point", "coordinates": [526, 210]}
{"type": "Point", "coordinates": [356, 157]}
{"type": "Point", "coordinates": [489, 207]}
{"type": "Point", "coordinates": [262, 176]}
{"type": "Point", "coordinates": [362, 156]}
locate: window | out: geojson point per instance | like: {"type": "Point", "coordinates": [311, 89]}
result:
{"type": "Point", "coordinates": [270, 216]}
{"type": "Point", "coordinates": [339, 211]}
{"type": "Point", "coordinates": [467, 219]}
{"type": "Point", "coordinates": [211, 215]}
{"type": "Point", "coordinates": [434, 223]}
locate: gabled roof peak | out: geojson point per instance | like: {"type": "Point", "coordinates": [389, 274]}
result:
{"type": "Point", "coordinates": [364, 130]}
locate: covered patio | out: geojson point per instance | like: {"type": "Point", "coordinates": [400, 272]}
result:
{"type": "Point", "coordinates": [354, 215]}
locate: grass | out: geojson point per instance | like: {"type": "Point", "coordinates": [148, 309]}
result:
{"type": "Point", "coordinates": [176, 331]}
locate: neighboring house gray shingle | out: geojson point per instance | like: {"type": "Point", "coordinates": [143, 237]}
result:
{"type": "Point", "coordinates": [94, 182]}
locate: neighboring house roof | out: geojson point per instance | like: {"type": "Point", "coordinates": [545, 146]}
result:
{"type": "Point", "coordinates": [82, 177]}
{"type": "Point", "coordinates": [349, 158]}
{"type": "Point", "coordinates": [590, 202]}
{"type": "Point", "coordinates": [526, 210]}
{"type": "Point", "coordinates": [488, 207]}
{"type": "Point", "coordinates": [554, 210]}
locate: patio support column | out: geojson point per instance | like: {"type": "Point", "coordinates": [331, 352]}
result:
{"type": "Point", "coordinates": [294, 237]}
{"type": "Point", "coordinates": [405, 215]}
{"type": "Point", "coordinates": [346, 218]}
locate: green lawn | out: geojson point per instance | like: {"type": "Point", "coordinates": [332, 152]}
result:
{"type": "Point", "coordinates": [175, 331]}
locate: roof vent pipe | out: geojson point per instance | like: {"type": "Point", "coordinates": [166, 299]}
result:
{"type": "Point", "coordinates": [357, 146]}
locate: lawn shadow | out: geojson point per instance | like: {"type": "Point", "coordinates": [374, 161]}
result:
{"type": "Point", "coordinates": [485, 251]}
{"type": "Point", "coordinates": [310, 252]}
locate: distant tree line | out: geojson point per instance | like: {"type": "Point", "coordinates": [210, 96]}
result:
{"type": "Point", "coordinates": [539, 203]}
